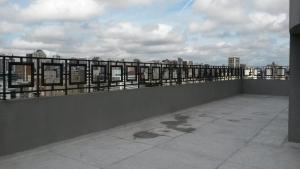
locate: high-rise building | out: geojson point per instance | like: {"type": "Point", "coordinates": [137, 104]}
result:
{"type": "Point", "coordinates": [1, 65]}
{"type": "Point", "coordinates": [180, 61]}
{"type": "Point", "coordinates": [234, 62]}
{"type": "Point", "coordinates": [243, 66]}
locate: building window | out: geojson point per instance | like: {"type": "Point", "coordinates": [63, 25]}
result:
{"type": "Point", "coordinates": [52, 74]}
{"type": "Point", "coordinates": [20, 75]}
{"type": "Point", "coordinates": [77, 74]}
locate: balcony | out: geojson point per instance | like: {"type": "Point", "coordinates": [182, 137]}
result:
{"type": "Point", "coordinates": [30, 77]}
{"type": "Point", "coordinates": [242, 131]}
{"type": "Point", "coordinates": [62, 113]}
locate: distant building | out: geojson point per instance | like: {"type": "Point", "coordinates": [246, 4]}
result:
{"type": "Point", "coordinates": [136, 60]}
{"type": "Point", "coordinates": [206, 65]}
{"type": "Point", "coordinates": [276, 71]}
{"type": "Point", "coordinates": [243, 66]}
{"type": "Point", "coordinates": [190, 63]}
{"type": "Point", "coordinates": [180, 61]}
{"type": "Point", "coordinates": [56, 56]}
{"type": "Point", "coordinates": [38, 54]}
{"type": "Point", "coordinates": [234, 62]}
{"type": "Point", "coordinates": [155, 61]}
{"type": "Point", "coordinates": [167, 61]}
{"type": "Point", "coordinates": [272, 65]}
{"type": "Point", "coordinates": [1, 65]}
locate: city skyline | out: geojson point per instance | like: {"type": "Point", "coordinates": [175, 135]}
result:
{"type": "Point", "coordinates": [256, 31]}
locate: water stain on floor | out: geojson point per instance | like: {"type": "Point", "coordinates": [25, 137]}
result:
{"type": "Point", "coordinates": [246, 118]}
{"type": "Point", "coordinates": [180, 120]}
{"type": "Point", "coordinates": [203, 115]}
{"type": "Point", "coordinates": [233, 120]}
{"type": "Point", "coordinates": [145, 135]}
{"type": "Point", "coordinates": [260, 113]}
{"type": "Point", "coordinates": [179, 124]}
{"type": "Point", "coordinates": [226, 113]}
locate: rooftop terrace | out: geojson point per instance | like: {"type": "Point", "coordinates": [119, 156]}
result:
{"type": "Point", "coordinates": [240, 132]}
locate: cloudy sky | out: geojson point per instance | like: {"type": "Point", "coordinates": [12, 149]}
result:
{"type": "Point", "coordinates": [205, 31]}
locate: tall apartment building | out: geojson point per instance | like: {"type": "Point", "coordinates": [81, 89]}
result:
{"type": "Point", "coordinates": [234, 62]}
{"type": "Point", "coordinates": [1, 65]}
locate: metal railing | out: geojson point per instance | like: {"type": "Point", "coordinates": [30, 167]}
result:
{"type": "Point", "coordinates": [26, 77]}
{"type": "Point", "coordinates": [267, 73]}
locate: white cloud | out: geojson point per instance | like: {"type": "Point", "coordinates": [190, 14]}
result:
{"type": "Point", "coordinates": [23, 44]}
{"type": "Point", "coordinates": [72, 10]}
{"type": "Point", "coordinates": [126, 3]}
{"type": "Point", "coordinates": [153, 35]}
{"type": "Point", "coordinates": [63, 10]}
{"type": "Point", "coordinates": [127, 39]}
{"type": "Point", "coordinates": [242, 16]}
{"type": "Point", "coordinates": [6, 27]}
{"type": "Point", "coordinates": [214, 30]}
{"type": "Point", "coordinates": [229, 11]}
{"type": "Point", "coordinates": [123, 39]}
{"type": "Point", "coordinates": [3, 1]}
{"type": "Point", "coordinates": [205, 26]}
{"type": "Point", "coordinates": [263, 20]}
{"type": "Point", "coordinates": [272, 6]}
{"type": "Point", "coordinates": [48, 33]}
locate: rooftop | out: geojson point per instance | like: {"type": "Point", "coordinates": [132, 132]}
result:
{"type": "Point", "coordinates": [241, 132]}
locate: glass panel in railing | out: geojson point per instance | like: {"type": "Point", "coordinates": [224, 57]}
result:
{"type": "Point", "coordinates": [174, 73]}
{"type": "Point", "coordinates": [77, 74]}
{"type": "Point", "coordinates": [21, 75]}
{"type": "Point", "coordinates": [155, 73]}
{"type": "Point", "coordinates": [99, 73]}
{"type": "Point", "coordinates": [131, 73]}
{"type": "Point", "coordinates": [166, 73]}
{"type": "Point", "coordinates": [116, 73]}
{"type": "Point", "coordinates": [144, 73]}
{"type": "Point", "coordinates": [52, 74]}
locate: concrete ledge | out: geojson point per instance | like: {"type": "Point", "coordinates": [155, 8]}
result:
{"type": "Point", "coordinates": [266, 87]}
{"type": "Point", "coordinates": [30, 123]}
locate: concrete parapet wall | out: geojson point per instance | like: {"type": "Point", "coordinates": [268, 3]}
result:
{"type": "Point", "coordinates": [30, 123]}
{"type": "Point", "coordinates": [266, 87]}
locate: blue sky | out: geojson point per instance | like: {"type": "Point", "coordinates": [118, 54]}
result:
{"type": "Point", "coordinates": [205, 31]}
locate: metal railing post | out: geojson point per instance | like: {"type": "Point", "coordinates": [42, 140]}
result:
{"type": "Point", "coordinates": [4, 78]}
{"type": "Point", "coordinates": [38, 78]}
{"type": "Point", "coordinates": [66, 77]}
{"type": "Point", "coordinates": [89, 74]}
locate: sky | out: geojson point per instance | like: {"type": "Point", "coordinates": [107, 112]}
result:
{"type": "Point", "coordinates": [204, 31]}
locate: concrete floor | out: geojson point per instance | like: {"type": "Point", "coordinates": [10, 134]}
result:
{"type": "Point", "coordinates": [242, 132]}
